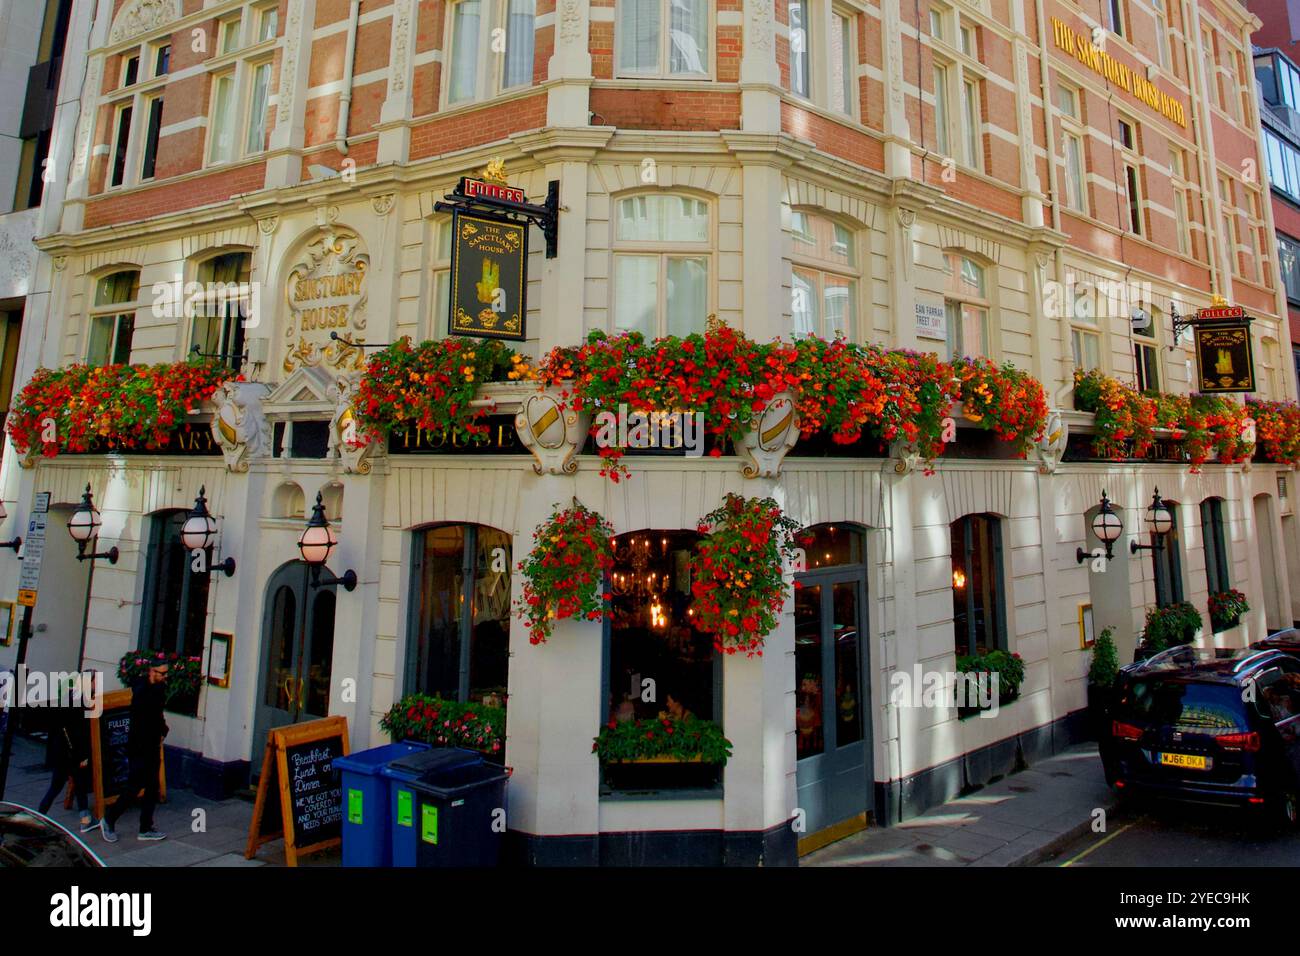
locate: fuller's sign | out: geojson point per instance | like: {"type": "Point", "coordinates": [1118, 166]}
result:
{"type": "Point", "coordinates": [1223, 350]}
{"type": "Point", "coordinates": [480, 189]}
{"type": "Point", "coordinates": [489, 271]}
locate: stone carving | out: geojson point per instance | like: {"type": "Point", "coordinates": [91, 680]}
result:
{"type": "Point", "coordinates": [344, 439]}
{"type": "Point", "coordinates": [17, 254]}
{"type": "Point", "coordinates": [400, 60]}
{"type": "Point", "coordinates": [772, 433]}
{"type": "Point", "coordinates": [552, 431]}
{"type": "Point", "coordinates": [571, 21]}
{"type": "Point", "coordinates": [326, 292]}
{"type": "Point", "coordinates": [86, 122]}
{"type": "Point", "coordinates": [239, 425]}
{"type": "Point", "coordinates": [139, 17]}
{"type": "Point", "coordinates": [289, 59]}
{"type": "Point", "coordinates": [1051, 447]}
{"type": "Point", "coordinates": [268, 225]}
{"type": "Point", "coordinates": [760, 24]}
{"type": "Point", "coordinates": [383, 205]}
{"type": "Point", "coordinates": [894, 68]}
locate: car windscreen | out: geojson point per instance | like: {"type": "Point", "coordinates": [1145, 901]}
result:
{"type": "Point", "coordinates": [1184, 705]}
{"type": "Point", "coordinates": [28, 840]}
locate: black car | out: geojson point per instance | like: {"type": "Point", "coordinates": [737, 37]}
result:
{"type": "Point", "coordinates": [28, 838]}
{"type": "Point", "coordinates": [1288, 642]}
{"type": "Point", "coordinates": [1209, 726]}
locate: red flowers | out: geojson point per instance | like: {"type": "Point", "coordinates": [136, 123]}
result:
{"type": "Point", "coordinates": [565, 572]}
{"type": "Point", "coordinates": [1002, 399]}
{"type": "Point", "coordinates": [1277, 430]}
{"type": "Point", "coordinates": [737, 573]}
{"type": "Point", "coordinates": [81, 407]}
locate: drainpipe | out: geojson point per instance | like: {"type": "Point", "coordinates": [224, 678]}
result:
{"type": "Point", "coordinates": [345, 94]}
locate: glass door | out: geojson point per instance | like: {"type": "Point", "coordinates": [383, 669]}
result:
{"type": "Point", "coordinates": [833, 779]}
{"type": "Point", "coordinates": [298, 648]}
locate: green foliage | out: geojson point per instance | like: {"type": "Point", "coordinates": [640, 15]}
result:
{"type": "Point", "coordinates": [682, 738]}
{"type": "Point", "coordinates": [1170, 625]}
{"type": "Point", "coordinates": [1009, 668]}
{"type": "Point", "coordinates": [1104, 669]}
{"type": "Point", "coordinates": [446, 723]}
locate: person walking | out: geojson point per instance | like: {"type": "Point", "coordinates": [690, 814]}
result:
{"type": "Point", "coordinates": [144, 752]}
{"type": "Point", "coordinates": [68, 755]}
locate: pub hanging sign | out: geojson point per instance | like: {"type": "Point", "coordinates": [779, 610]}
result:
{"type": "Point", "coordinates": [489, 274]}
{"type": "Point", "coordinates": [1223, 350]}
{"type": "Point", "coordinates": [489, 252]}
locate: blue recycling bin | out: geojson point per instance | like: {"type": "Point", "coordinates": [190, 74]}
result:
{"type": "Point", "coordinates": [401, 774]}
{"type": "Point", "coordinates": [366, 823]}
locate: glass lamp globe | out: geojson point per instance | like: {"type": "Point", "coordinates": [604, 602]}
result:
{"type": "Point", "coordinates": [318, 538]}
{"type": "Point", "coordinates": [1159, 518]}
{"type": "Point", "coordinates": [1106, 524]}
{"type": "Point", "coordinates": [85, 521]}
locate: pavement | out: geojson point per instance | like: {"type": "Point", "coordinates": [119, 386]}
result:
{"type": "Point", "coordinates": [1020, 820]}
{"type": "Point", "coordinates": [216, 836]}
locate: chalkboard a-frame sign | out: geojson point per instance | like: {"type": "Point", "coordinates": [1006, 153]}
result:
{"type": "Point", "coordinates": [300, 785]}
{"type": "Point", "coordinates": [109, 757]}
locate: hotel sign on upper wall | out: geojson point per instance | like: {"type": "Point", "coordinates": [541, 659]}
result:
{"type": "Point", "coordinates": [1104, 65]}
{"type": "Point", "coordinates": [326, 292]}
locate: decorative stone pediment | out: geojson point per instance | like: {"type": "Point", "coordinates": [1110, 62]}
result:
{"type": "Point", "coordinates": [308, 392]}
{"type": "Point", "coordinates": [138, 17]}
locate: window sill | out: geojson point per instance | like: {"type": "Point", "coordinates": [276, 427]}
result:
{"type": "Point", "coordinates": [636, 796]}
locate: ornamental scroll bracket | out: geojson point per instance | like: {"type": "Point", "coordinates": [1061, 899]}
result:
{"type": "Point", "coordinates": [772, 433]}
{"type": "Point", "coordinates": [239, 424]}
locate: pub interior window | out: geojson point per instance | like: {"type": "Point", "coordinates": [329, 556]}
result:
{"type": "Point", "coordinates": [661, 264]}
{"type": "Point", "coordinates": [175, 606]}
{"type": "Point", "coordinates": [1217, 559]}
{"type": "Point", "coordinates": [217, 318]}
{"type": "Point", "coordinates": [978, 600]}
{"type": "Point", "coordinates": [966, 302]}
{"type": "Point", "coordinates": [1167, 562]}
{"type": "Point", "coordinates": [461, 613]}
{"type": "Point", "coordinates": [668, 37]}
{"type": "Point", "coordinates": [491, 43]}
{"type": "Point", "coordinates": [112, 318]}
{"type": "Point", "coordinates": [656, 661]}
{"type": "Point", "coordinates": [824, 284]}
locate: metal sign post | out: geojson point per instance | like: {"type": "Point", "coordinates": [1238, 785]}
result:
{"type": "Point", "coordinates": [33, 551]}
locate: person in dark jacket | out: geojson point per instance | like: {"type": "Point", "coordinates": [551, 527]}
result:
{"type": "Point", "coordinates": [144, 751]}
{"type": "Point", "coordinates": [68, 755]}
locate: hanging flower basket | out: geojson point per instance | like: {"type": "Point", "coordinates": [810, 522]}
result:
{"type": "Point", "coordinates": [564, 574]}
{"type": "Point", "coordinates": [1226, 609]}
{"type": "Point", "coordinates": [736, 572]}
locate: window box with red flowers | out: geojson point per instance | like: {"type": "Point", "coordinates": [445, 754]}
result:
{"type": "Point", "coordinates": [448, 723]}
{"type": "Point", "coordinates": [669, 752]}
{"type": "Point", "coordinates": [1226, 609]}
{"type": "Point", "coordinates": [447, 385]}
{"type": "Point", "coordinates": [1277, 431]}
{"type": "Point", "coordinates": [79, 409]}
{"type": "Point", "coordinates": [1002, 399]}
{"type": "Point", "coordinates": [564, 574]}
{"type": "Point", "coordinates": [737, 572]}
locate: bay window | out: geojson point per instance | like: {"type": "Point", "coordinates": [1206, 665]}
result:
{"type": "Point", "coordinates": [662, 264]}
{"type": "Point", "coordinates": [824, 283]}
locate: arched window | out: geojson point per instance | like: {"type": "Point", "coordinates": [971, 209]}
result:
{"type": "Point", "coordinates": [112, 318]}
{"type": "Point", "coordinates": [663, 249]}
{"type": "Point", "coordinates": [460, 648]}
{"type": "Point", "coordinates": [218, 314]}
{"type": "Point", "coordinates": [978, 599]}
{"type": "Point", "coordinates": [175, 606]}
{"type": "Point", "coordinates": [966, 301]}
{"type": "Point", "coordinates": [824, 285]}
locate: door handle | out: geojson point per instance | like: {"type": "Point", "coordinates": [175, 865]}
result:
{"type": "Point", "coordinates": [288, 690]}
